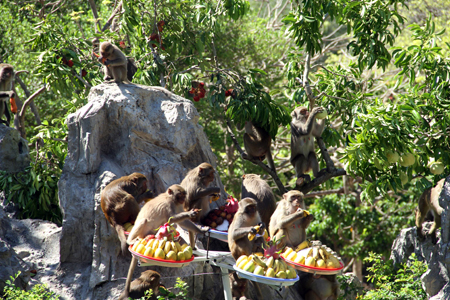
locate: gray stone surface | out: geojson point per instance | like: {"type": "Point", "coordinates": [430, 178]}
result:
{"type": "Point", "coordinates": [14, 153]}
{"type": "Point", "coordinates": [435, 280]}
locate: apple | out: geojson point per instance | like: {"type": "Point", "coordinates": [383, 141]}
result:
{"type": "Point", "coordinates": [392, 156]}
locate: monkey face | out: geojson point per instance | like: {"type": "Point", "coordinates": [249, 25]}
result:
{"type": "Point", "coordinates": [6, 73]}
{"type": "Point", "coordinates": [300, 113]}
{"type": "Point", "coordinates": [180, 197]}
{"type": "Point", "coordinates": [250, 210]}
{"type": "Point", "coordinates": [106, 51]}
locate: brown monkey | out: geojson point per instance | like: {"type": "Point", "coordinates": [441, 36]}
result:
{"type": "Point", "coordinates": [289, 220]}
{"type": "Point", "coordinates": [318, 287]}
{"type": "Point", "coordinates": [158, 211]}
{"type": "Point", "coordinates": [114, 61]}
{"type": "Point", "coordinates": [256, 188]}
{"type": "Point", "coordinates": [196, 185]}
{"type": "Point", "coordinates": [257, 143]}
{"type": "Point", "coordinates": [6, 81]}
{"type": "Point", "coordinates": [238, 286]}
{"type": "Point", "coordinates": [120, 202]}
{"type": "Point", "coordinates": [304, 127]}
{"type": "Point", "coordinates": [429, 200]}
{"type": "Point", "coordinates": [149, 280]}
{"type": "Point", "coordinates": [244, 221]}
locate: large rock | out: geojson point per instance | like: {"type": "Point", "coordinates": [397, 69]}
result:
{"type": "Point", "coordinates": [435, 280]}
{"type": "Point", "coordinates": [14, 154]}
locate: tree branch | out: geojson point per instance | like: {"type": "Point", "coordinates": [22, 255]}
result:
{"type": "Point", "coordinates": [95, 13]}
{"type": "Point", "coordinates": [24, 107]}
{"type": "Point", "coordinates": [108, 23]}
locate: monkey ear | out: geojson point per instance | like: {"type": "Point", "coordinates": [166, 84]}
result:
{"type": "Point", "coordinates": [169, 191]}
{"type": "Point", "coordinates": [285, 195]}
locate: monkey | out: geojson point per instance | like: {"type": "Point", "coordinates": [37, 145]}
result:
{"type": "Point", "coordinates": [257, 143]}
{"type": "Point", "coordinates": [120, 202]}
{"type": "Point", "coordinates": [198, 195]}
{"type": "Point", "coordinates": [304, 127]}
{"type": "Point", "coordinates": [288, 223]}
{"type": "Point", "coordinates": [318, 287]}
{"type": "Point", "coordinates": [6, 81]}
{"type": "Point", "coordinates": [256, 188]}
{"type": "Point", "coordinates": [243, 223]}
{"type": "Point", "coordinates": [158, 211]}
{"type": "Point", "coordinates": [114, 61]}
{"type": "Point", "coordinates": [149, 280]}
{"type": "Point", "coordinates": [429, 200]}
{"type": "Point", "coordinates": [238, 286]}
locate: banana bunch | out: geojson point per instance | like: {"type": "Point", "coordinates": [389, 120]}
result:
{"type": "Point", "coordinates": [316, 256]}
{"type": "Point", "coordinates": [252, 235]}
{"type": "Point", "coordinates": [162, 249]}
{"type": "Point", "coordinates": [269, 267]}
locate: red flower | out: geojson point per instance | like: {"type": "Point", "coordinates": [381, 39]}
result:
{"type": "Point", "coordinates": [70, 63]}
{"type": "Point", "coordinates": [192, 91]}
{"type": "Point", "coordinates": [196, 98]}
{"type": "Point", "coordinates": [228, 92]}
{"type": "Point", "coordinates": [83, 73]}
{"type": "Point", "coordinates": [122, 44]}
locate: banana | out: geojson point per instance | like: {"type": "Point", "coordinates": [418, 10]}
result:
{"type": "Point", "coordinates": [310, 252]}
{"type": "Point", "coordinates": [269, 262]}
{"type": "Point", "coordinates": [323, 254]}
{"type": "Point", "coordinates": [287, 251]}
{"type": "Point", "coordinates": [315, 253]}
{"type": "Point", "coordinates": [251, 235]}
{"type": "Point", "coordinates": [259, 262]}
{"type": "Point", "coordinates": [283, 265]}
{"type": "Point", "coordinates": [241, 258]}
{"type": "Point", "coordinates": [305, 213]}
{"type": "Point", "coordinates": [276, 266]}
{"type": "Point", "coordinates": [303, 245]}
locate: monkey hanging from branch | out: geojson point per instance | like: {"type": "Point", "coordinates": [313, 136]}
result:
{"type": "Point", "coordinates": [257, 142]}
{"type": "Point", "coordinates": [304, 128]}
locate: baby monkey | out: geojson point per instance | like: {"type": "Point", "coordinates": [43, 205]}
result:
{"type": "Point", "coordinates": [115, 63]}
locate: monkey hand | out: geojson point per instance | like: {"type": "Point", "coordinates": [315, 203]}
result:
{"type": "Point", "coordinates": [204, 228]}
{"type": "Point", "coordinates": [106, 62]}
{"type": "Point", "coordinates": [194, 212]}
{"type": "Point", "coordinates": [262, 226]}
{"type": "Point", "coordinates": [317, 110]}
{"type": "Point", "coordinates": [309, 218]}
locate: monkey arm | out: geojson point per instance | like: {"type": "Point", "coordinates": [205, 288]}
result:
{"type": "Point", "coordinates": [201, 192]}
{"type": "Point", "coordinates": [116, 62]}
{"type": "Point", "coordinates": [180, 217]}
{"type": "Point", "coordinates": [287, 221]}
{"type": "Point", "coordinates": [190, 226]}
{"type": "Point", "coordinates": [144, 196]}
{"type": "Point", "coordinates": [239, 233]}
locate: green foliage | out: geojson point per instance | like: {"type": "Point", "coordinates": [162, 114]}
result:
{"type": "Point", "coordinates": [35, 190]}
{"type": "Point", "coordinates": [393, 282]}
{"type": "Point", "coordinates": [38, 292]}
{"type": "Point", "coordinates": [180, 294]}
{"type": "Point", "coordinates": [371, 24]}
{"type": "Point", "coordinates": [374, 228]}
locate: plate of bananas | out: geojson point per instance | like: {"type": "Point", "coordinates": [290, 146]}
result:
{"type": "Point", "coordinates": [270, 271]}
{"type": "Point", "coordinates": [318, 259]}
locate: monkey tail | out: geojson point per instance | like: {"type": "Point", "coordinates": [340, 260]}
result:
{"type": "Point", "coordinates": [122, 238]}
{"type": "Point", "coordinates": [270, 160]}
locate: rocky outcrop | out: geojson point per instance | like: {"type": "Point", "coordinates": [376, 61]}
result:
{"type": "Point", "coordinates": [14, 154]}
{"type": "Point", "coordinates": [435, 280]}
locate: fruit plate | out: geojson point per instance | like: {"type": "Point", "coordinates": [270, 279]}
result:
{"type": "Point", "coordinates": [314, 270]}
{"type": "Point", "coordinates": [265, 279]}
{"type": "Point", "coordinates": [161, 262]}
{"type": "Point", "coordinates": [220, 235]}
